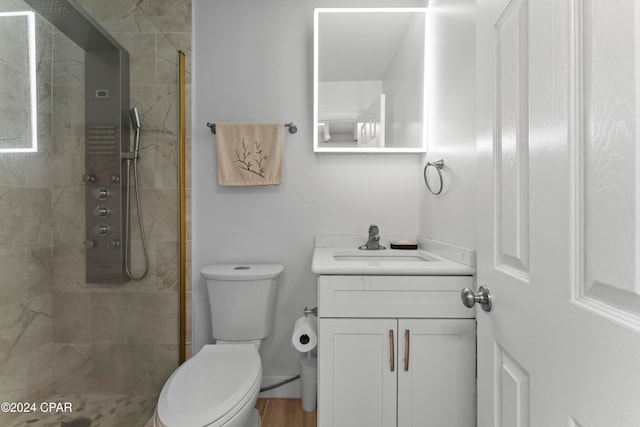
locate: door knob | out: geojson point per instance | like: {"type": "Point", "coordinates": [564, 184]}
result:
{"type": "Point", "coordinates": [483, 297]}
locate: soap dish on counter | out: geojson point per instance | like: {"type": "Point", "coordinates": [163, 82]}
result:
{"type": "Point", "coordinates": [403, 244]}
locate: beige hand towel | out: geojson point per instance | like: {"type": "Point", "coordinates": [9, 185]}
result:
{"type": "Point", "coordinates": [250, 153]}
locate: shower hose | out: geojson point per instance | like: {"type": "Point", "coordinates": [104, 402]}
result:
{"type": "Point", "coordinates": [127, 251]}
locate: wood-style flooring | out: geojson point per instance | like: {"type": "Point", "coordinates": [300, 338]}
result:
{"type": "Point", "coordinates": [284, 413]}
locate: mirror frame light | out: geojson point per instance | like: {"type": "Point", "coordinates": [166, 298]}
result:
{"type": "Point", "coordinates": [316, 33]}
{"type": "Point", "coordinates": [31, 28]}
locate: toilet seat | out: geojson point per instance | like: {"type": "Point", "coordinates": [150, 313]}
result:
{"type": "Point", "coordinates": [211, 387]}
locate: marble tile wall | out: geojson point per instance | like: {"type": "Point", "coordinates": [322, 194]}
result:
{"type": "Point", "coordinates": [121, 338]}
{"type": "Point", "coordinates": [14, 85]}
{"type": "Point", "coordinates": [79, 337]}
{"type": "Point", "coordinates": [25, 218]}
{"type": "Point", "coordinates": [162, 27]}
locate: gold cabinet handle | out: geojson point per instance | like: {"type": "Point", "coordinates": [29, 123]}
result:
{"type": "Point", "coordinates": [392, 361]}
{"type": "Point", "coordinates": [406, 349]}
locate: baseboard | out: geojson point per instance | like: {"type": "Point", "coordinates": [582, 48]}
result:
{"type": "Point", "coordinates": [292, 390]}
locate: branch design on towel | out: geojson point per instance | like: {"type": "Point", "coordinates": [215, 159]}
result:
{"type": "Point", "coordinates": [250, 153]}
{"type": "Point", "coordinates": [244, 161]}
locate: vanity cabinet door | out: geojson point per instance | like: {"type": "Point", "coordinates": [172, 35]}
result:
{"type": "Point", "coordinates": [357, 383]}
{"type": "Point", "coordinates": [436, 386]}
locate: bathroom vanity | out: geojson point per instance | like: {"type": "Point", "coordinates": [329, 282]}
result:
{"type": "Point", "coordinates": [396, 345]}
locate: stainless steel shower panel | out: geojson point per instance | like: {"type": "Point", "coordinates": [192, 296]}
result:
{"type": "Point", "coordinates": [107, 136]}
{"type": "Point", "coordinates": [77, 24]}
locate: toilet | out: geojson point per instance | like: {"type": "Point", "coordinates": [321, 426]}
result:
{"type": "Point", "coordinates": [220, 384]}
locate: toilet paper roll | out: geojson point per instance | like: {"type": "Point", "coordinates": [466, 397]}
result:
{"type": "Point", "coordinates": [305, 336]}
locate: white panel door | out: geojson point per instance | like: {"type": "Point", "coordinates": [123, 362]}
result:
{"type": "Point", "coordinates": [436, 372]}
{"type": "Point", "coordinates": [559, 212]}
{"type": "Point", "coordinates": [357, 372]}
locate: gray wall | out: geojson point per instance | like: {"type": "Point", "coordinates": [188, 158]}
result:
{"type": "Point", "coordinates": [450, 217]}
{"type": "Point", "coordinates": [253, 61]}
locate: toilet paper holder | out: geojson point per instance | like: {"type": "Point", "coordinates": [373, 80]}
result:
{"type": "Point", "coordinates": [313, 311]}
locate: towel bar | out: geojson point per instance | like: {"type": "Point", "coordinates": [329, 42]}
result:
{"type": "Point", "coordinates": [292, 128]}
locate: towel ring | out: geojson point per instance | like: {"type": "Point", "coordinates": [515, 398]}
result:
{"type": "Point", "coordinates": [438, 164]}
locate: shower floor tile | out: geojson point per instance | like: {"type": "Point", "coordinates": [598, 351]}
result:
{"type": "Point", "coordinates": [91, 410]}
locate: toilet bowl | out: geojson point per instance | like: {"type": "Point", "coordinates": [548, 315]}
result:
{"type": "Point", "coordinates": [217, 387]}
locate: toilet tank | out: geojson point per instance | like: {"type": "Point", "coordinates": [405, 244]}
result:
{"type": "Point", "coordinates": [242, 299]}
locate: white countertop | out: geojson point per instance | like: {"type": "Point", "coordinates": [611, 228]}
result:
{"type": "Point", "coordinates": [349, 261]}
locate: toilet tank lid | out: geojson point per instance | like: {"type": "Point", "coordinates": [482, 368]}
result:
{"type": "Point", "coordinates": [241, 271]}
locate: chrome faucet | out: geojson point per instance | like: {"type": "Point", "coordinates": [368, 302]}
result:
{"type": "Point", "coordinates": [373, 243]}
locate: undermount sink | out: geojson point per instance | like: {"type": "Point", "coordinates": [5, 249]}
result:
{"type": "Point", "coordinates": [380, 258]}
{"type": "Point", "coordinates": [347, 261]}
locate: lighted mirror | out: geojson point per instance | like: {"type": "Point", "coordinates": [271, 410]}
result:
{"type": "Point", "coordinates": [18, 121]}
{"type": "Point", "coordinates": [369, 80]}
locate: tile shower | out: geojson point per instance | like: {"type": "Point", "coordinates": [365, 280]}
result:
{"type": "Point", "coordinates": [100, 347]}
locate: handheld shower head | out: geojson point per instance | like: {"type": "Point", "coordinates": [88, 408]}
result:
{"type": "Point", "coordinates": [135, 118]}
{"type": "Point", "coordinates": [135, 124]}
